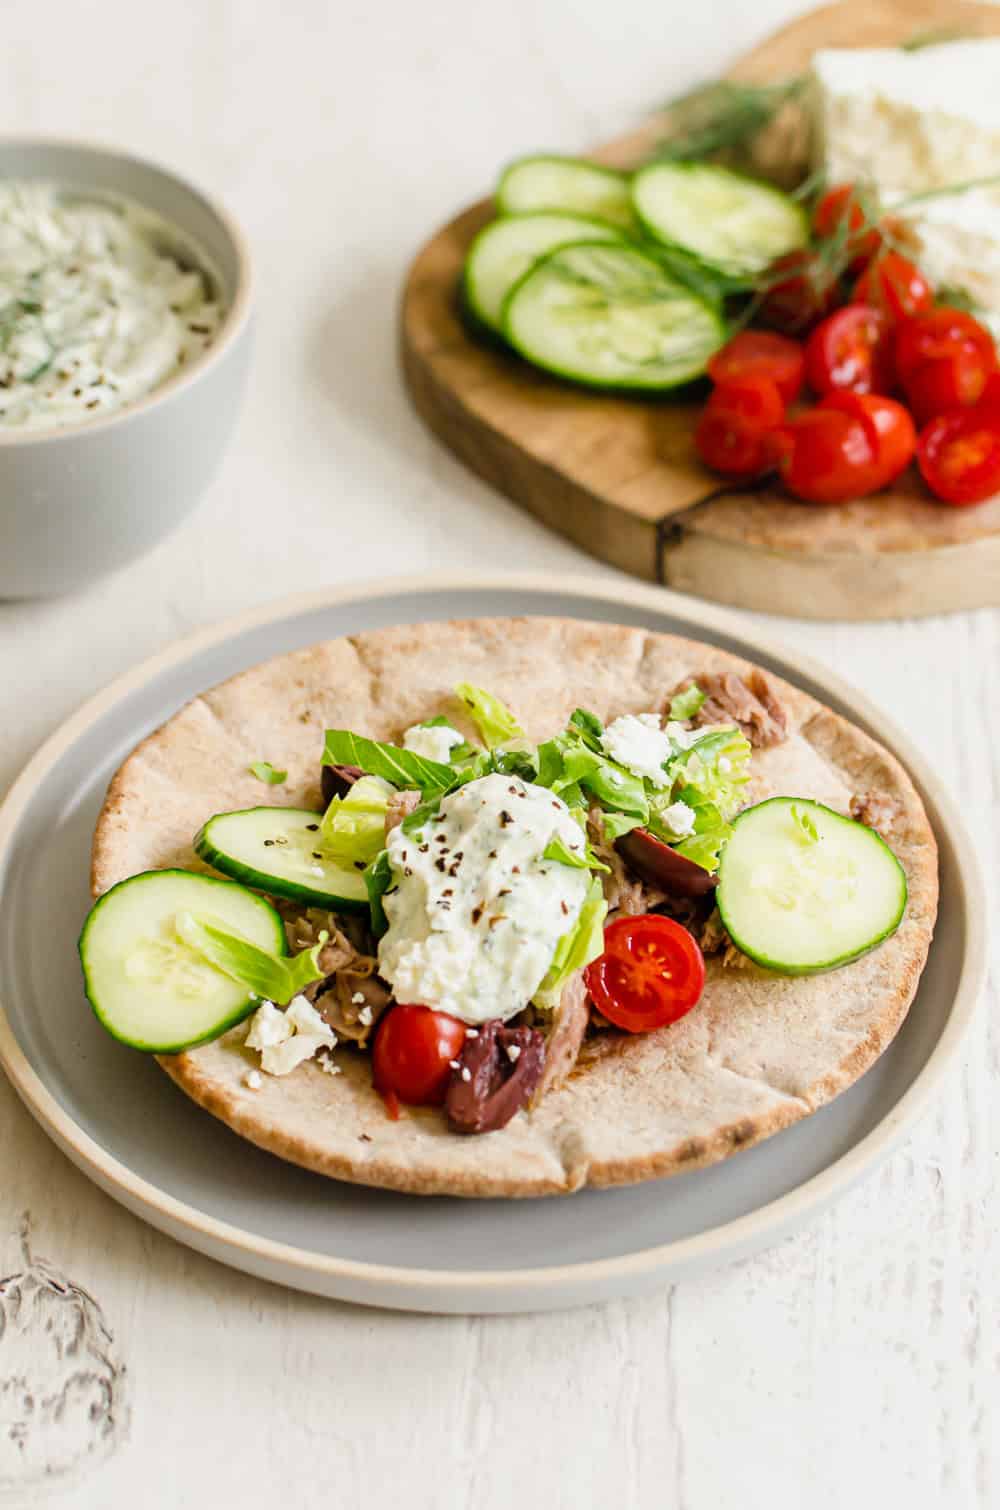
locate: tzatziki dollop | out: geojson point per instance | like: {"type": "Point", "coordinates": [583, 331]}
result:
{"type": "Point", "coordinates": [100, 303]}
{"type": "Point", "coordinates": [475, 912]}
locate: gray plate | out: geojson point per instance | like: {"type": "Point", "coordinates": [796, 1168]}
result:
{"type": "Point", "coordinates": [122, 1121]}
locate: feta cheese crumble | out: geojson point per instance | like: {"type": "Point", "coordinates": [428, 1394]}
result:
{"type": "Point", "coordinates": [475, 911]}
{"type": "Point", "coordinates": [287, 1039]}
{"type": "Point", "coordinates": [679, 819]}
{"type": "Point", "coordinates": [639, 742]}
{"type": "Point", "coordinates": [253, 1080]}
{"type": "Point", "coordinates": [434, 743]}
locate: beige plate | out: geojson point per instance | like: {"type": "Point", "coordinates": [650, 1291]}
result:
{"type": "Point", "coordinates": [619, 475]}
{"type": "Point", "coordinates": [120, 1120]}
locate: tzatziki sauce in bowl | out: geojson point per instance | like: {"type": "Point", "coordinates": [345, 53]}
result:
{"type": "Point", "coordinates": [124, 345]}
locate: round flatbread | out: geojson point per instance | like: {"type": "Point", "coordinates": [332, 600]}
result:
{"type": "Point", "coordinates": [759, 1052]}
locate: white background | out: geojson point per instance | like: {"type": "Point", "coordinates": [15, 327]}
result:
{"type": "Point", "coordinates": [856, 1364]}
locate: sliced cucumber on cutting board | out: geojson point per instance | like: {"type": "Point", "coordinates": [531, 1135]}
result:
{"type": "Point", "coordinates": [505, 250]}
{"type": "Point", "coordinates": [279, 850]}
{"type": "Point", "coordinates": [803, 889]}
{"type": "Point", "coordinates": [611, 317]}
{"type": "Point", "coordinates": [734, 223]}
{"type": "Point", "coordinates": [546, 182]}
{"type": "Point", "coordinates": [147, 987]}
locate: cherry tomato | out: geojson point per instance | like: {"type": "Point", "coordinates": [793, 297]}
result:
{"type": "Point", "coordinates": [650, 974]}
{"type": "Point", "coordinates": [953, 382]}
{"type": "Point", "coordinates": [729, 434]}
{"type": "Point", "coordinates": [802, 288]}
{"type": "Point", "coordinates": [760, 353]}
{"type": "Point", "coordinates": [892, 283]}
{"type": "Point", "coordinates": [889, 426]}
{"type": "Point", "coordinates": [937, 334]}
{"type": "Point", "coordinates": [850, 349]}
{"type": "Point", "coordinates": [825, 456]}
{"type": "Point", "coordinates": [837, 205]}
{"type": "Point", "coordinates": [412, 1054]}
{"type": "Point", "coordinates": [989, 402]}
{"type": "Point", "coordinates": [959, 456]}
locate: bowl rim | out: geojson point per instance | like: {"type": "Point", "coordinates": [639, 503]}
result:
{"type": "Point", "coordinates": [234, 321]}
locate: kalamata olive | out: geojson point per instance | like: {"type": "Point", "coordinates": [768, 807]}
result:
{"type": "Point", "coordinates": [658, 865]}
{"type": "Point", "coordinates": [498, 1072]}
{"type": "Point", "coordinates": [337, 780]}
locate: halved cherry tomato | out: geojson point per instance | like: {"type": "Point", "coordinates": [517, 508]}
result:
{"type": "Point", "coordinates": [894, 284]}
{"type": "Point", "coordinates": [889, 426]}
{"type": "Point", "coordinates": [850, 349]}
{"type": "Point", "coordinates": [840, 203]}
{"type": "Point", "coordinates": [989, 402]}
{"type": "Point", "coordinates": [801, 288]}
{"type": "Point", "coordinates": [825, 456]}
{"type": "Point", "coordinates": [412, 1054]}
{"type": "Point", "coordinates": [650, 974]}
{"type": "Point", "coordinates": [959, 456]}
{"type": "Point", "coordinates": [760, 353]}
{"type": "Point", "coordinates": [729, 434]}
{"type": "Point", "coordinates": [953, 382]}
{"type": "Point", "coordinates": [937, 334]}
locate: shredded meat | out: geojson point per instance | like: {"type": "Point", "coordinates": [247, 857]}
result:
{"type": "Point", "coordinates": [350, 970]}
{"type": "Point", "coordinates": [622, 891]}
{"type": "Point", "coordinates": [714, 939]}
{"type": "Point", "coordinates": [400, 806]}
{"type": "Point", "coordinates": [747, 701]}
{"type": "Point", "coordinates": [569, 1025]}
{"type": "Point", "coordinates": [876, 810]}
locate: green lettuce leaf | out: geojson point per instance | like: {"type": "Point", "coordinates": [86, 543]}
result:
{"type": "Point", "coordinates": [378, 880]}
{"type": "Point", "coordinates": [684, 705]}
{"type": "Point", "coordinates": [583, 943]}
{"type": "Point", "coordinates": [400, 767]}
{"type": "Point", "coordinates": [272, 977]}
{"type": "Point", "coordinates": [570, 767]}
{"type": "Point", "coordinates": [353, 826]}
{"type": "Point", "coordinates": [265, 771]}
{"type": "Point", "coordinates": [808, 832]}
{"type": "Point", "coordinates": [714, 768]}
{"type": "Point", "coordinates": [494, 720]}
{"type": "Point", "coordinates": [589, 727]}
{"type": "Point", "coordinates": [585, 860]}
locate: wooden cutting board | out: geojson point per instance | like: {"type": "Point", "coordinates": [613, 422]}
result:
{"type": "Point", "coordinates": [619, 475]}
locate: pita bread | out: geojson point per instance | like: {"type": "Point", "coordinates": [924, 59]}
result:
{"type": "Point", "coordinates": [759, 1052]}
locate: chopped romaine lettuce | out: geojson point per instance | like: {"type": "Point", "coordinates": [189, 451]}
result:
{"type": "Point", "coordinates": [584, 859]}
{"type": "Point", "coordinates": [378, 879]}
{"type": "Point", "coordinates": [684, 705]}
{"type": "Point", "coordinates": [494, 720]}
{"type": "Point", "coordinates": [583, 943]}
{"type": "Point", "coordinates": [353, 826]}
{"type": "Point", "coordinates": [400, 767]}
{"type": "Point", "coordinates": [715, 768]}
{"type": "Point", "coordinates": [266, 772]}
{"type": "Point", "coordinates": [269, 976]}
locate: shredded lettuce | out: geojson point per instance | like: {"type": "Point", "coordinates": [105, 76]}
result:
{"type": "Point", "coordinates": [353, 826]}
{"type": "Point", "coordinates": [568, 766]}
{"type": "Point", "coordinates": [378, 879]}
{"type": "Point", "coordinates": [584, 859]}
{"type": "Point", "coordinates": [494, 720]}
{"type": "Point", "coordinates": [714, 768]}
{"type": "Point", "coordinates": [808, 832]}
{"type": "Point", "coordinates": [684, 705]}
{"type": "Point", "coordinates": [266, 772]}
{"type": "Point", "coordinates": [583, 943]}
{"type": "Point", "coordinates": [272, 977]}
{"type": "Point", "coordinates": [402, 768]}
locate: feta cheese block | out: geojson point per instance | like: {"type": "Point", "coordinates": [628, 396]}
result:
{"type": "Point", "coordinates": [907, 122]}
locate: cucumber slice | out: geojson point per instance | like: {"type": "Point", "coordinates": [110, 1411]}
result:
{"type": "Point", "coordinates": [734, 223]}
{"type": "Point", "coordinates": [566, 183]}
{"type": "Point", "coordinates": [149, 988]}
{"type": "Point", "coordinates": [279, 850]}
{"type": "Point", "coordinates": [611, 317]}
{"type": "Point", "coordinates": [505, 250]}
{"type": "Point", "coordinates": [803, 889]}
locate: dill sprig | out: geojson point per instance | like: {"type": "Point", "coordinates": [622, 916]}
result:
{"type": "Point", "coordinates": [722, 114]}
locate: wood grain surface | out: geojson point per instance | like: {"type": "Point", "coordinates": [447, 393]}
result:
{"type": "Point", "coordinates": [619, 475]}
{"type": "Point", "coordinates": [856, 1364]}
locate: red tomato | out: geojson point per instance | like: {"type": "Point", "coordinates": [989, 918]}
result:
{"type": "Point", "coordinates": [802, 289]}
{"type": "Point", "coordinates": [937, 334]}
{"type": "Point", "coordinates": [959, 456]}
{"type": "Point", "coordinates": [889, 426]}
{"type": "Point", "coordinates": [650, 974]}
{"type": "Point", "coordinates": [850, 349]}
{"type": "Point", "coordinates": [412, 1054]}
{"type": "Point", "coordinates": [894, 284]}
{"type": "Point", "coordinates": [826, 457]}
{"type": "Point", "coordinates": [760, 353]}
{"type": "Point", "coordinates": [837, 205]}
{"type": "Point", "coordinates": [952, 382]}
{"type": "Point", "coordinates": [989, 402]}
{"type": "Point", "coordinates": [729, 434]}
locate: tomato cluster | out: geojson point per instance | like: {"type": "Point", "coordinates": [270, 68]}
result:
{"type": "Point", "coordinates": [882, 360]}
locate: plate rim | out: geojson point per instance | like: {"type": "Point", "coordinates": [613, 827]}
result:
{"type": "Point", "coordinates": [383, 1284]}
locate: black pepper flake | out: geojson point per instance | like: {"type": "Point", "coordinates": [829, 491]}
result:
{"type": "Point", "coordinates": [440, 838]}
{"type": "Point", "coordinates": [513, 791]}
{"type": "Point", "coordinates": [449, 891]}
{"type": "Point", "coordinates": [492, 854]}
{"type": "Point", "coordinates": [268, 843]}
{"type": "Point", "coordinates": [493, 921]}
{"type": "Point", "coordinates": [477, 911]}
{"type": "Point", "coordinates": [93, 403]}
{"type": "Point", "coordinates": [423, 848]}
{"type": "Point", "coordinates": [316, 855]}
{"type": "Point", "coordinates": [312, 828]}
{"type": "Point", "coordinates": [360, 865]}
{"type": "Point", "coordinates": [445, 905]}
{"type": "Point", "coordinates": [440, 863]}
{"type": "Point", "coordinates": [364, 1137]}
{"type": "Point", "coordinates": [77, 392]}
{"type": "Point", "coordinates": [564, 908]}
{"type": "Point", "coordinates": [407, 871]}
{"type": "Point", "coordinates": [505, 818]}
{"type": "Point", "coordinates": [515, 870]}
{"type": "Point", "coordinates": [505, 892]}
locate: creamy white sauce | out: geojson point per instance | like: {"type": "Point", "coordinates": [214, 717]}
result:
{"type": "Point", "coordinates": [435, 742]}
{"type": "Point", "coordinates": [96, 310]}
{"type": "Point", "coordinates": [475, 913]}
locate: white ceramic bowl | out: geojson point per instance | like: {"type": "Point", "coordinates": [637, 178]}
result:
{"type": "Point", "coordinates": [78, 502]}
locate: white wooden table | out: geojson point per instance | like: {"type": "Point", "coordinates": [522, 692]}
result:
{"type": "Point", "coordinates": [854, 1365]}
